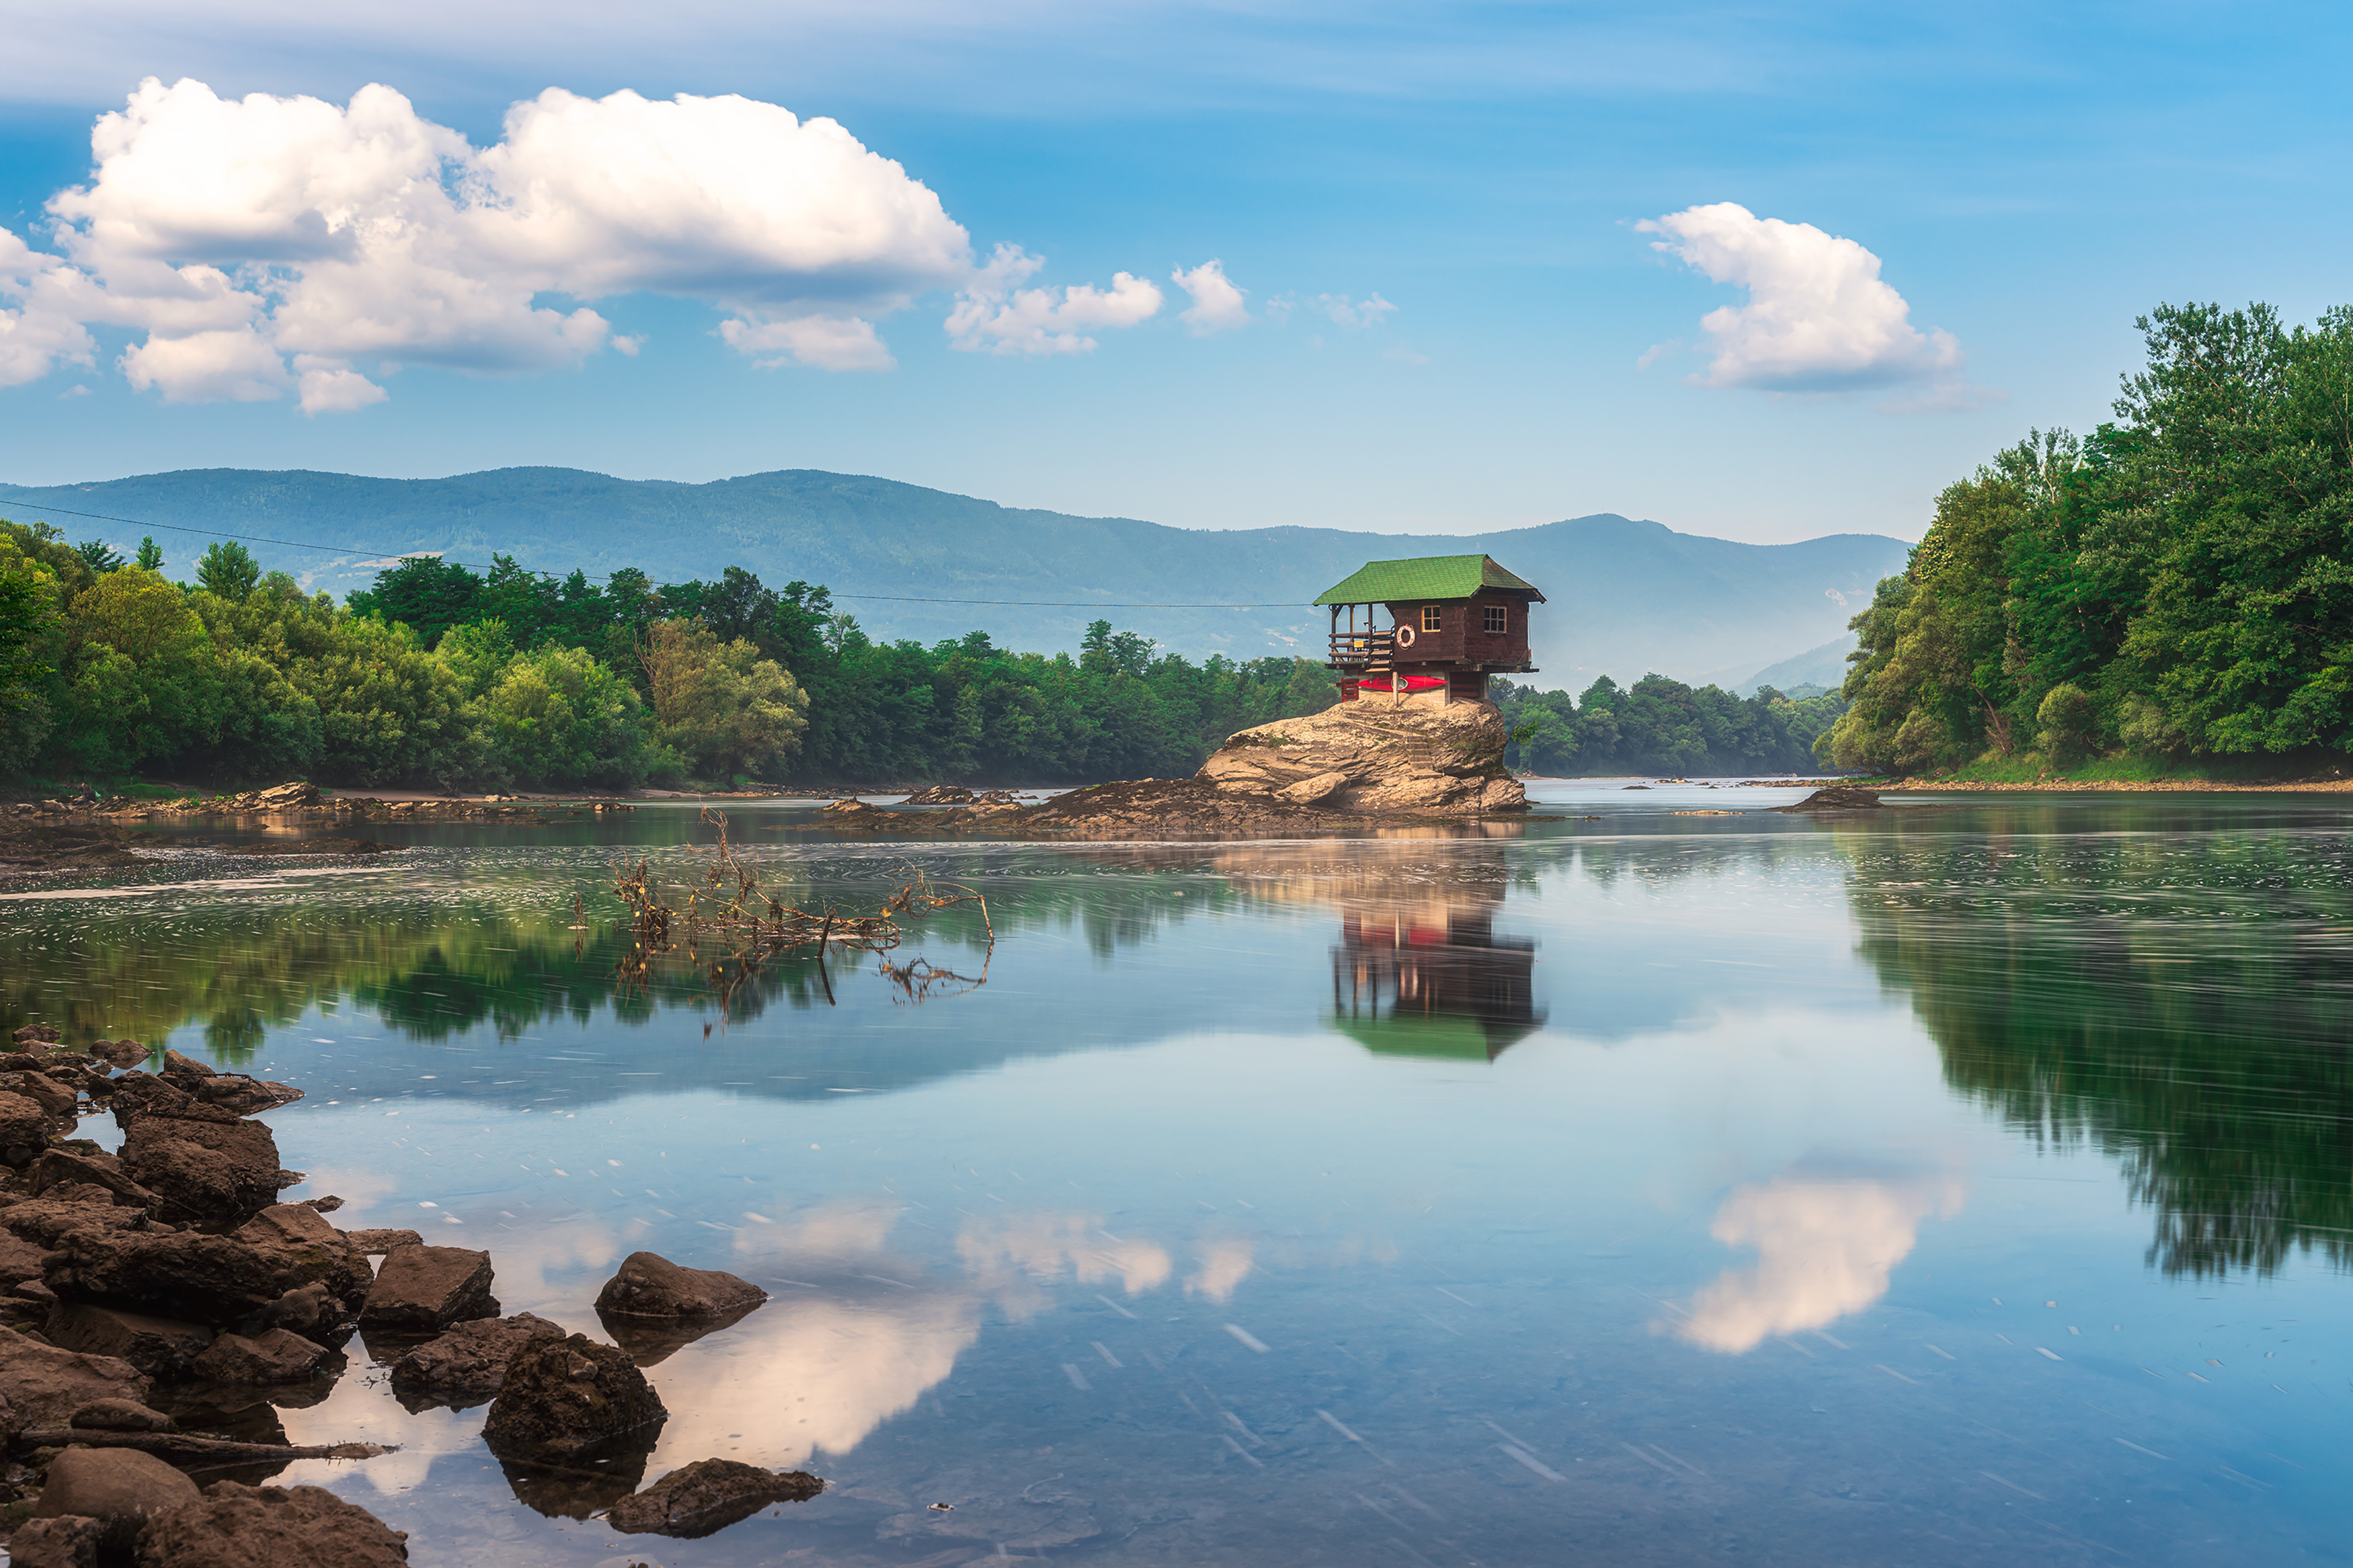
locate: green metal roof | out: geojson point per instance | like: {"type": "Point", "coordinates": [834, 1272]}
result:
{"type": "Point", "coordinates": [1423, 577]}
{"type": "Point", "coordinates": [1436, 1038]}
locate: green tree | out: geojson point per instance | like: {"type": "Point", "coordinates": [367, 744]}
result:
{"type": "Point", "coordinates": [558, 716]}
{"type": "Point", "coordinates": [720, 705]}
{"type": "Point", "coordinates": [100, 556]}
{"type": "Point", "coordinates": [142, 681]}
{"type": "Point", "coordinates": [151, 556]}
{"type": "Point", "coordinates": [228, 570]}
{"type": "Point", "coordinates": [425, 593]}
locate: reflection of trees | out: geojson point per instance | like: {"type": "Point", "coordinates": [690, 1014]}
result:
{"type": "Point", "coordinates": [2177, 1001]}
{"type": "Point", "coordinates": [427, 969]}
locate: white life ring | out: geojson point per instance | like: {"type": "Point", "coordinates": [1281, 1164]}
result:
{"type": "Point", "coordinates": [1404, 638]}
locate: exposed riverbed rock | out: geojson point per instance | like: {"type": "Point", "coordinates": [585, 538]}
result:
{"type": "Point", "coordinates": [423, 1289]}
{"type": "Point", "coordinates": [23, 1128]}
{"type": "Point", "coordinates": [206, 1164]}
{"type": "Point", "coordinates": [707, 1496]}
{"type": "Point", "coordinates": [73, 1167]}
{"type": "Point", "coordinates": [272, 1357]}
{"type": "Point", "coordinates": [161, 1347]}
{"type": "Point", "coordinates": [41, 1386]}
{"type": "Point", "coordinates": [1838, 798]}
{"type": "Point", "coordinates": [287, 1267]}
{"type": "Point", "coordinates": [651, 1286]}
{"type": "Point", "coordinates": [234, 1526]}
{"type": "Point", "coordinates": [376, 1243]}
{"type": "Point", "coordinates": [468, 1363]}
{"type": "Point", "coordinates": [566, 1397]}
{"type": "Point", "coordinates": [1367, 756]}
{"type": "Point", "coordinates": [69, 1541]}
{"type": "Point", "coordinates": [940, 794]}
{"type": "Point", "coordinates": [120, 1488]}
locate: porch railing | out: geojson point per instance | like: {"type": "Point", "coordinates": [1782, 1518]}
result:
{"type": "Point", "coordinates": [1361, 654]}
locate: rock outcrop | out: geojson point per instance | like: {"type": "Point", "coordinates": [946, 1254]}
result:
{"type": "Point", "coordinates": [423, 1289]}
{"type": "Point", "coordinates": [121, 1490]}
{"type": "Point", "coordinates": [651, 1286]}
{"type": "Point", "coordinates": [1370, 757]}
{"type": "Point", "coordinates": [707, 1496]}
{"type": "Point", "coordinates": [468, 1363]}
{"type": "Point", "coordinates": [566, 1397]}
{"type": "Point", "coordinates": [234, 1526]}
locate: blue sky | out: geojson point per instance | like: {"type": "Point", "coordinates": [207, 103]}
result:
{"type": "Point", "coordinates": [1453, 319]}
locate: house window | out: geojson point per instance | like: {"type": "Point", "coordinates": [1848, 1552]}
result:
{"type": "Point", "coordinates": [1499, 620]}
{"type": "Point", "coordinates": [1430, 618]}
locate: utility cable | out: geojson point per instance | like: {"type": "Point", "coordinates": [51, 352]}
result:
{"type": "Point", "coordinates": [480, 566]}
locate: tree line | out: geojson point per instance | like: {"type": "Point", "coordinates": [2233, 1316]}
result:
{"type": "Point", "coordinates": [439, 674]}
{"type": "Point", "coordinates": [2176, 585]}
{"type": "Point", "coordinates": [1659, 726]}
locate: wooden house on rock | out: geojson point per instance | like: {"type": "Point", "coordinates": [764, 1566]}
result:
{"type": "Point", "coordinates": [1429, 631]}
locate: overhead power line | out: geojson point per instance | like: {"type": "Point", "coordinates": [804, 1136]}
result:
{"type": "Point", "coordinates": [483, 566]}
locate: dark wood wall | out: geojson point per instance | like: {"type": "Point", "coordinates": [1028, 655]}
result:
{"type": "Point", "coordinates": [1463, 638]}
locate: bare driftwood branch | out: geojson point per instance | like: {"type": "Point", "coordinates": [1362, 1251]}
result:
{"type": "Point", "coordinates": [180, 1445]}
{"type": "Point", "coordinates": [753, 926]}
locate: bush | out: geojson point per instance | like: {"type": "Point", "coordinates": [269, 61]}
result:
{"type": "Point", "coordinates": [2070, 725]}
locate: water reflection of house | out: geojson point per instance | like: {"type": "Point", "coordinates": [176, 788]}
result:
{"type": "Point", "coordinates": [1428, 977]}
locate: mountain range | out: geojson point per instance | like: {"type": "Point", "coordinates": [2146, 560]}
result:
{"type": "Point", "coordinates": [1623, 597]}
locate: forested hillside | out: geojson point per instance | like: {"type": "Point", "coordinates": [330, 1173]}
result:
{"type": "Point", "coordinates": [1625, 596]}
{"type": "Point", "coordinates": [439, 676]}
{"type": "Point", "coordinates": [2178, 585]}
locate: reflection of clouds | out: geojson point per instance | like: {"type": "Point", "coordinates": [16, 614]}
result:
{"type": "Point", "coordinates": [1224, 1264]}
{"type": "Point", "coordinates": [799, 1375]}
{"type": "Point", "coordinates": [523, 1257]}
{"type": "Point", "coordinates": [1046, 1246]}
{"type": "Point", "coordinates": [1825, 1247]}
{"type": "Point", "coordinates": [361, 1410]}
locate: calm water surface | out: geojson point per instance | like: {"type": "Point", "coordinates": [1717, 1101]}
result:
{"type": "Point", "coordinates": [1970, 1182]}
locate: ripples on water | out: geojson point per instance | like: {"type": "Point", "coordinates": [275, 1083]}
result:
{"type": "Point", "coordinates": [1962, 1182]}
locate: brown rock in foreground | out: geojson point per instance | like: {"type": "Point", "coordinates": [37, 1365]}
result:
{"type": "Point", "coordinates": [468, 1363]}
{"type": "Point", "coordinates": [564, 1397]}
{"type": "Point", "coordinates": [69, 1541]}
{"type": "Point", "coordinates": [160, 1347]}
{"type": "Point", "coordinates": [117, 1487]}
{"type": "Point", "coordinates": [288, 1251]}
{"type": "Point", "coordinates": [707, 1496]}
{"type": "Point", "coordinates": [273, 1356]}
{"type": "Point", "coordinates": [234, 1526]}
{"type": "Point", "coordinates": [376, 1243]}
{"type": "Point", "coordinates": [42, 1386]}
{"type": "Point", "coordinates": [1373, 756]}
{"type": "Point", "coordinates": [423, 1289]}
{"type": "Point", "coordinates": [651, 1286]}
{"type": "Point", "coordinates": [219, 1172]}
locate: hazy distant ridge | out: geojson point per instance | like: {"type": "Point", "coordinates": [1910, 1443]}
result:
{"type": "Point", "coordinates": [1624, 597]}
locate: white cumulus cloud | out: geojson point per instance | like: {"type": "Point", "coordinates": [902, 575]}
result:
{"type": "Point", "coordinates": [1818, 317]}
{"type": "Point", "coordinates": [38, 332]}
{"type": "Point", "coordinates": [241, 234]}
{"type": "Point", "coordinates": [1219, 303]}
{"type": "Point", "coordinates": [828, 342]}
{"type": "Point", "coordinates": [993, 314]}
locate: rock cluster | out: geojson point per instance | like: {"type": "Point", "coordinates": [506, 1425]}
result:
{"type": "Point", "coordinates": [1371, 757]}
{"type": "Point", "coordinates": [171, 1274]}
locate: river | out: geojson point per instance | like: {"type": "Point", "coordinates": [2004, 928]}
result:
{"type": "Point", "coordinates": [1669, 1183]}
